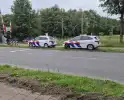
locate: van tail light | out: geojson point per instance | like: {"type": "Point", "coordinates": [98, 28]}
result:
{"type": "Point", "coordinates": [97, 42]}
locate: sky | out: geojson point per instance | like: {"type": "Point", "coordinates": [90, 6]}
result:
{"type": "Point", "coordinates": [5, 5]}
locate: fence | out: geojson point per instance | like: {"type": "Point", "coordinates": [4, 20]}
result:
{"type": "Point", "coordinates": [13, 42]}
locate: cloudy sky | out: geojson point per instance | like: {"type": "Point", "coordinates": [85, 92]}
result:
{"type": "Point", "coordinates": [5, 5]}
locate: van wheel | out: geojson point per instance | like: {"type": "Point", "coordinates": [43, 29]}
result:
{"type": "Point", "coordinates": [67, 46]}
{"type": "Point", "coordinates": [30, 45]}
{"type": "Point", "coordinates": [90, 47]}
{"type": "Point", "coordinates": [46, 45]}
{"type": "Point", "coordinates": [53, 46]}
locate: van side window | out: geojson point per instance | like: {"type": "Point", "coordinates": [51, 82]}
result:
{"type": "Point", "coordinates": [76, 38]}
{"type": "Point", "coordinates": [43, 38]}
{"type": "Point", "coordinates": [86, 38]}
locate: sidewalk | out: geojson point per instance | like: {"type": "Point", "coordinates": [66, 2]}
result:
{"type": "Point", "coordinates": [10, 93]}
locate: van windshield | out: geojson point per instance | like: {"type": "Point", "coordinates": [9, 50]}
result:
{"type": "Point", "coordinates": [51, 38]}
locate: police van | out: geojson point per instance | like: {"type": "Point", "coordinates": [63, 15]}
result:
{"type": "Point", "coordinates": [43, 41]}
{"type": "Point", "coordinates": [83, 41]}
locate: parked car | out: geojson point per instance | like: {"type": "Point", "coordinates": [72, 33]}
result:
{"type": "Point", "coordinates": [83, 41]}
{"type": "Point", "coordinates": [43, 41]}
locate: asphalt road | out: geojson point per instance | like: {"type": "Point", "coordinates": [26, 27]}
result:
{"type": "Point", "coordinates": [92, 64]}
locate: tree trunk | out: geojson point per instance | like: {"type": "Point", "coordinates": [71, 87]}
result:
{"type": "Point", "coordinates": [121, 28]}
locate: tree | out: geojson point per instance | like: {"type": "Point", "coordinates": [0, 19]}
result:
{"type": "Point", "coordinates": [51, 22]}
{"type": "Point", "coordinates": [35, 20]}
{"type": "Point", "coordinates": [51, 19]}
{"type": "Point", "coordinates": [115, 7]}
{"type": "Point", "coordinates": [22, 17]}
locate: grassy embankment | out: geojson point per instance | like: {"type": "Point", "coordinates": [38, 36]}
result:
{"type": "Point", "coordinates": [76, 83]}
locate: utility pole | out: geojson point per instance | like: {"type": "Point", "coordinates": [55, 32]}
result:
{"type": "Point", "coordinates": [82, 23]}
{"type": "Point", "coordinates": [112, 30]}
{"type": "Point", "coordinates": [62, 23]}
{"type": "Point", "coordinates": [94, 24]}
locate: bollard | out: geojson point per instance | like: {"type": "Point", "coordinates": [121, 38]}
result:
{"type": "Point", "coordinates": [58, 70]}
{"type": "Point", "coordinates": [48, 70]}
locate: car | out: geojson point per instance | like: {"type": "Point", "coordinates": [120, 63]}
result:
{"type": "Point", "coordinates": [83, 41]}
{"type": "Point", "coordinates": [43, 41]}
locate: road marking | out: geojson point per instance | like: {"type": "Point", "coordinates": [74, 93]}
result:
{"type": "Point", "coordinates": [19, 50]}
{"type": "Point", "coordinates": [85, 58]}
{"type": "Point", "coordinates": [92, 58]}
{"type": "Point", "coordinates": [29, 53]}
{"type": "Point", "coordinates": [24, 50]}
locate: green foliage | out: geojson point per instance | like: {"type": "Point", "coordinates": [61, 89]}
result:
{"type": "Point", "coordinates": [92, 22]}
{"type": "Point", "coordinates": [78, 84]}
{"type": "Point", "coordinates": [21, 17]}
{"type": "Point", "coordinates": [115, 7]}
{"type": "Point", "coordinates": [51, 19]}
{"type": "Point", "coordinates": [35, 21]}
{"type": "Point", "coordinates": [101, 33]}
{"type": "Point", "coordinates": [27, 22]}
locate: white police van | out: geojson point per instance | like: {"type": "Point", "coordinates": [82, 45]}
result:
{"type": "Point", "coordinates": [43, 41]}
{"type": "Point", "coordinates": [83, 41]}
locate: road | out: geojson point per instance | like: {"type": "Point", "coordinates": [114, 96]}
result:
{"type": "Point", "coordinates": [92, 64]}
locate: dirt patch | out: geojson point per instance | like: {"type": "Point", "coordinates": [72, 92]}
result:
{"type": "Point", "coordinates": [98, 96]}
{"type": "Point", "coordinates": [4, 76]}
{"type": "Point", "coordinates": [51, 89]}
{"type": "Point", "coordinates": [26, 83]}
{"type": "Point", "coordinates": [35, 86]}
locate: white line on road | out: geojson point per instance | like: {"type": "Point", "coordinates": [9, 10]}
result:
{"type": "Point", "coordinates": [19, 50]}
{"type": "Point", "coordinates": [29, 53]}
{"type": "Point", "coordinates": [86, 58]}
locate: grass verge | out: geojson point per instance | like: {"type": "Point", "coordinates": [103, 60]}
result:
{"type": "Point", "coordinates": [75, 83]}
{"type": "Point", "coordinates": [100, 49]}
{"type": "Point", "coordinates": [18, 46]}
{"type": "Point", "coordinates": [111, 49]}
